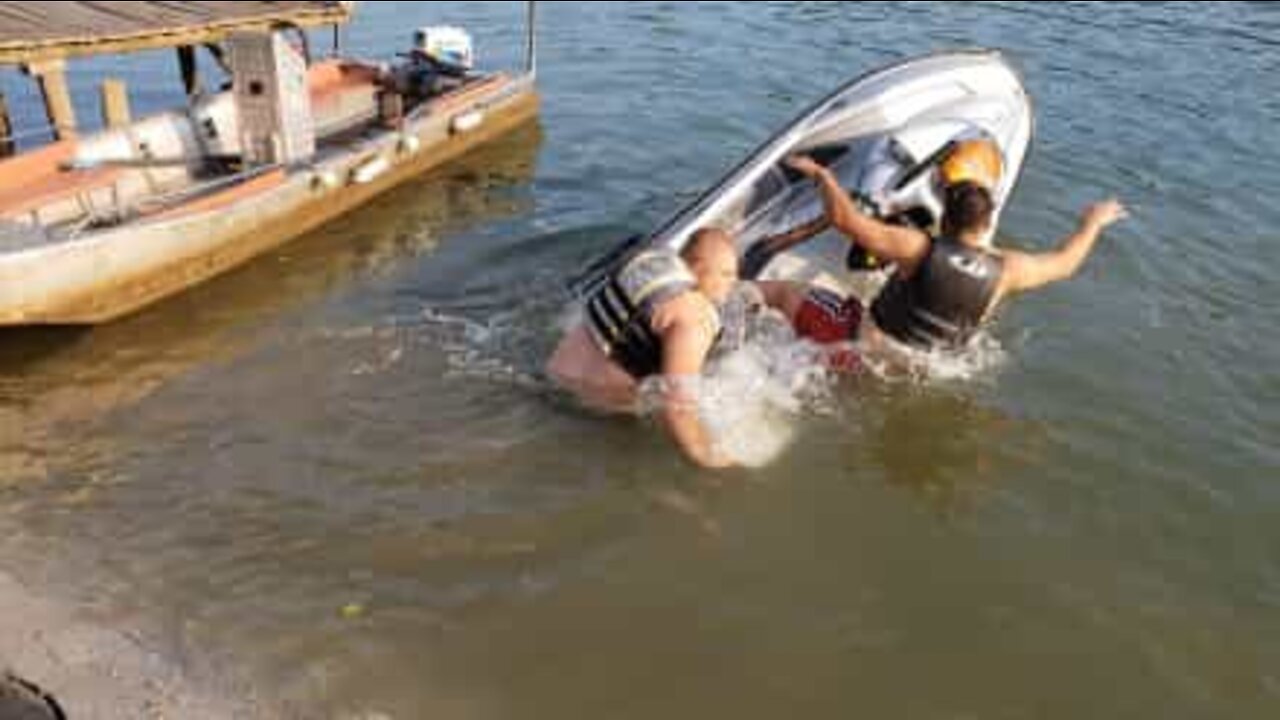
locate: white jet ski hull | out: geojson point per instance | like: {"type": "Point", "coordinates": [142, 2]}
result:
{"type": "Point", "coordinates": [884, 135]}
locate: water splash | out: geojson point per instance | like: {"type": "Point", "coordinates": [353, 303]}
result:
{"type": "Point", "coordinates": [981, 359]}
{"type": "Point", "coordinates": [503, 348]}
{"type": "Point", "coordinates": [753, 398]}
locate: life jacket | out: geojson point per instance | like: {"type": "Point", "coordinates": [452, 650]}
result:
{"type": "Point", "coordinates": [620, 313]}
{"type": "Point", "coordinates": [945, 302]}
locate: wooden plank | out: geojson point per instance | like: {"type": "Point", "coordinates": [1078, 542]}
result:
{"type": "Point", "coordinates": [115, 104]}
{"type": "Point", "coordinates": [52, 79]}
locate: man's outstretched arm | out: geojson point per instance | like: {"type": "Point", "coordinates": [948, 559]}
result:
{"type": "Point", "coordinates": [1029, 271]}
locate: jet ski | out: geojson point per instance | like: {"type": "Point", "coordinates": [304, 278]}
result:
{"type": "Point", "coordinates": [887, 136]}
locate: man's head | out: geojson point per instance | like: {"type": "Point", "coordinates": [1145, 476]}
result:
{"type": "Point", "coordinates": [969, 174]}
{"type": "Point", "coordinates": [713, 258]}
{"type": "Point", "coordinates": [968, 213]}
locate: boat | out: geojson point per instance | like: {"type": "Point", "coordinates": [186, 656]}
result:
{"type": "Point", "coordinates": [886, 135]}
{"type": "Point", "coordinates": [98, 225]}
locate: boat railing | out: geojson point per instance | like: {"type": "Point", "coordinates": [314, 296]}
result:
{"type": "Point", "coordinates": [154, 204]}
{"type": "Point", "coordinates": [158, 203]}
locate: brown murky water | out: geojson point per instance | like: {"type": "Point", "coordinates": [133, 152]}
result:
{"type": "Point", "coordinates": [337, 471]}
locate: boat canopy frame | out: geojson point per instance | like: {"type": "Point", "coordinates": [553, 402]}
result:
{"type": "Point", "coordinates": [42, 32]}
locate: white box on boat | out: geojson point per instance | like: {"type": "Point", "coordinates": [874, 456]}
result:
{"type": "Point", "coordinates": [272, 99]}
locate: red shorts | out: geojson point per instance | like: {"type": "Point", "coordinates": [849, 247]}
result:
{"type": "Point", "coordinates": [827, 319]}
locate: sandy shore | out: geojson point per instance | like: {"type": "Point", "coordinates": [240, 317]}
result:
{"type": "Point", "coordinates": [97, 672]}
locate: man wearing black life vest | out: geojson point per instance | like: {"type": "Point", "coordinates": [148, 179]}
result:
{"type": "Point", "coordinates": [656, 315]}
{"type": "Point", "coordinates": [944, 288]}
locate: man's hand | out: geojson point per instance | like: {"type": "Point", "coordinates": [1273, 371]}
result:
{"type": "Point", "coordinates": [1105, 214]}
{"type": "Point", "coordinates": [1029, 271]}
{"type": "Point", "coordinates": [805, 165]}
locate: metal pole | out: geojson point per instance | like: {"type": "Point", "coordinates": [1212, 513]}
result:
{"type": "Point", "coordinates": [531, 49]}
{"type": "Point", "coordinates": [339, 29]}
{"type": "Point", "coordinates": [7, 146]}
{"type": "Point", "coordinates": [190, 68]}
{"type": "Point", "coordinates": [219, 55]}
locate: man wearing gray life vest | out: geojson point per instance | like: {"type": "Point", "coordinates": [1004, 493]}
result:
{"type": "Point", "coordinates": [945, 288]}
{"type": "Point", "coordinates": [656, 315]}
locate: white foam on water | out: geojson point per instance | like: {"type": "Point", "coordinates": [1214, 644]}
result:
{"type": "Point", "coordinates": [482, 350]}
{"type": "Point", "coordinates": [753, 399]}
{"type": "Point", "coordinates": [980, 360]}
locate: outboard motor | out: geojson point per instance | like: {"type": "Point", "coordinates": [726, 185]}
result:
{"type": "Point", "coordinates": [441, 59]}
{"type": "Point", "coordinates": [448, 48]}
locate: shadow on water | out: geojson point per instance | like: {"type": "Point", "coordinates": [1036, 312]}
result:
{"type": "Point", "coordinates": [24, 348]}
{"type": "Point", "coordinates": [948, 447]}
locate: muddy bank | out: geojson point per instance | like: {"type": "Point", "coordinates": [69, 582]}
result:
{"type": "Point", "coordinates": [95, 672]}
